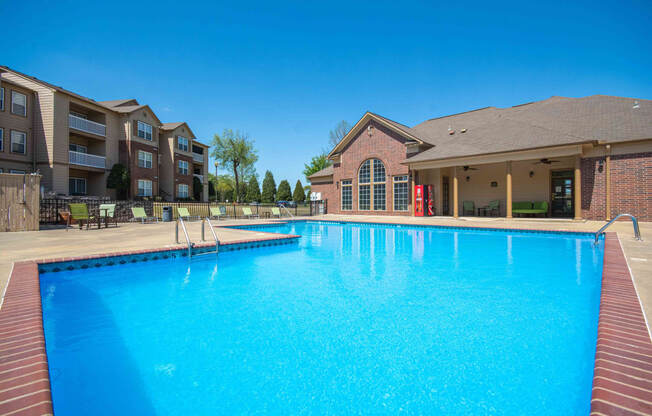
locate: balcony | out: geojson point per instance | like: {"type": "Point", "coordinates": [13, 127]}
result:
{"type": "Point", "coordinates": [196, 157]}
{"type": "Point", "coordinates": [87, 126]}
{"type": "Point", "coordinates": [85, 159]}
{"type": "Point", "coordinates": [201, 177]}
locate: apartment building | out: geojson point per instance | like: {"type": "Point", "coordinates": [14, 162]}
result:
{"type": "Point", "coordinates": [74, 141]}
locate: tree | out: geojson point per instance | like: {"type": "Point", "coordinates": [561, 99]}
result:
{"type": "Point", "coordinates": [316, 164]}
{"type": "Point", "coordinates": [242, 192]}
{"type": "Point", "coordinates": [212, 194]}
{"type": "Point", "coordinates": [236, 152]}
{"type": "Point", "coordinates": [253, 190]}
{"type": "Point", "coordinates": [196, 188]}
{"type": "Point", "coordinates": [307, 190]}
{"type": "Point", "coordinates": [298, 195]}
{"type": "Point", "coordinates": [119, 180]}
{"type": "Point", "coordinates": [338, 133]}
{"type": "Point", "coordinates": [225, 186]}
{"type": "Point", "coordinates": [269, 188]}
{"type": "Point", "coordinates": [284, 193]}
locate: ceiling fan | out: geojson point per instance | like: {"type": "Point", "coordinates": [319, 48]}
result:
{"type": "Point", "coordinates": [468, 168]}
{"type": "Point", "coordinates": [546, 161]}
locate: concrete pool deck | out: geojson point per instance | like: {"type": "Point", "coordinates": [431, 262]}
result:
{"type": "Point", "coordinates": [623, 363]}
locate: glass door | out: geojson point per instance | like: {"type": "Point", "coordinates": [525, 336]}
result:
{"type": "Point", "coordinates": [562, 200]}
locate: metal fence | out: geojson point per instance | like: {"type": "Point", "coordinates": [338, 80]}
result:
{"type": "Point", "coordinates": [51, 209]}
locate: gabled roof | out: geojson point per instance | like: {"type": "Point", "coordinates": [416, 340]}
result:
{"type": "Point", "coordinates": [51, 86]}
{"type": "Point", "coordinates": [118, 103]}
{"type": "Point", "coordinates": [327, 171]}
{"type": "Point", "coordinates": [399, 128]}
{"type": "Point", "coordinates": [552, 122]}
{"type": "Point", "coordinates": [172, 126]}
{"type": "Point", "coordinates": [128, 109]}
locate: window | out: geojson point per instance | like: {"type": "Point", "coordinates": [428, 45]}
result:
{"type": "Point", "coordinates": [182, 143]}
{"type": "Point", "coordinates": [401, 193]}
{"type": "Point", "coordinates": [77, 186]}
{"type": "Point", "coordinates": [2, 99]}
{"type": "Point", "coordinates": [371, 186]}
{"type": "Point", "coordinates": [183, 167]}
{"type": "Point", "coordinates": [144, 130]}
{"type": "Point", "coordinates": [144, 187]}
{"type": "Point", "coordinates": [17, 171]}
{"type": "Point", "coordinates": [182, 191]}
{"type": "Point", "coordinates": [144, 159]}
{"type": "Point", "coordinates": [347, 195]}
{"type": "Point", "coordinates": [18, 141]}
{"type": "Point", "coordinates": [74, 147]}
{"type": "Point", "coordinates": [18, 103]}
{"type": "Point", "coordinates": [2, 140]}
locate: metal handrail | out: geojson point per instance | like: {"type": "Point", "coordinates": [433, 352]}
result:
{"type": "Point", "coordinates": [185, 232]}
{"type": "Point", "coordinates": [637, 231]}
{"type": "Point", "coordinates": [287, 210]}
{"type": "Point", "coordinates": [217, 241]}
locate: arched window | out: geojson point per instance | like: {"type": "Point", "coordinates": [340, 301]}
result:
{"type": "Point", "coordinates": [371, 186]}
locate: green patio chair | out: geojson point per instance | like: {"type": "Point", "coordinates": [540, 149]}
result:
{"type": "Point", "coordinates": [79, 213]}
{"type": "Point", "coordinates": [140, 215]}
{"type": "Point", "coordinates": [276, 212]}
{"type": "Point", "coordinates": [185, 214]}
{"type": "Point", "coordinates": [493, 207]}
{"type": "Point", "coordinates": [217, 213]}
{"type": "Point", "coordinates": [246, 211]}
{"type": "Point", "coordinates": [522, 207]}
{"type": "Point", "coordinates": [107, 213]}
{"type": "Point", "coordinates": [468, 207]}
{"type": "Point", "coordinates": [540, 207]}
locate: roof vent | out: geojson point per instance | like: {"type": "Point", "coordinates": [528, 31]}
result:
{"type": "Point", "coordinates": [635, 105]}
{"type": "Point", "coordinates": [463, 131]}
{"type": "Point", "coordinates": [450, 130]}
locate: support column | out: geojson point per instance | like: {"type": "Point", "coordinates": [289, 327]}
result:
{"type": "Point", "coordinates": [456, 210]}
{"type": "Point", "coordinates": [607, 166]}
{"type": "Point", "coordinates": [414, 182]}
{"type": "Point", "coordinates": [508, 183]}
{"type": "Point", "coordinates": [578, 188]}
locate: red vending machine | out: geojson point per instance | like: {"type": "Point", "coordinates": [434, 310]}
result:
{"type": "Point", "coordinates": [431, 201]}
{"type": "Point", "coordinates": [419, 200]}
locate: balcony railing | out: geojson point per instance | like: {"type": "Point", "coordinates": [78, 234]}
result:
{"type": "Point", "coordinates": [85, 159]}
{"type": "Point", "coordinates": [198, 158]}
{"type": "Point", "coordinates": [201, 177]}
{"type": "Point", "coordinates": [88, 126]}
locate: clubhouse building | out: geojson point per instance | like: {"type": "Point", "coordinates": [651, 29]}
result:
{"type": "Point", "coordinates": [579, 158]}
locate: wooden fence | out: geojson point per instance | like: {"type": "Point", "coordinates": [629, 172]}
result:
{"type": "Point", "coordinates": [19, 202]}
{"type": "Point", "coordinates": [52, 208]}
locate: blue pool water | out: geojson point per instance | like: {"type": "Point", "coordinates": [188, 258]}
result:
{"type": "Point", "coordinates": [354, 319]}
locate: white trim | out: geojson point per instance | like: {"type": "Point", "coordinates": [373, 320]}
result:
{"type": "Point", "coordinates": [144, 130]}
{"type": "Point", "coordinates": [12, 103]}
{"type": "Point", "coordinates": [150, 188]}
{"type": "Point", "coordinates": [145, 159]}
{"type": "Point", "coordinates": [11, 142]}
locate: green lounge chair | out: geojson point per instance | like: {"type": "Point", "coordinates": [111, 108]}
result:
{"type": "Point", "coordinates": [140, 215]}
{"type": "Point", "coordinates": [521, 208]}
{"type": "Point", "coordinates": [185, 214]}
{"type": "Point", "coordinates": [107, 213]}
{"type": "Point", "coordinates": [468, 207]}
{"type": "Point", "coordinates": [79, 213]}
{"type": "Point", "coordinates": [276, 212]}
{"type": "Point", "coordinates": [246, 211]}
{"type": "Point", "coordinates": [493, 207]}
{"type": "Point", "coordinates": [217, 212]}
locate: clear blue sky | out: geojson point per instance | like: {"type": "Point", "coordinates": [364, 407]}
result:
{"type": "Point", "coordinates": [287, 72]}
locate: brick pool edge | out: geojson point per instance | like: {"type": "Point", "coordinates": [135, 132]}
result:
{"type": "Point", "coordinates": [623, 361]}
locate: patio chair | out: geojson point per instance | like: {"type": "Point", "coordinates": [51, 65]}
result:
{"type": "Point", "coordinates": [276, 212]}
{"type": "Point", "coordinates": [246, 211]}
{"type": "Point", "coordinates": [140, 215]}
{"type": "Point", "coordinates": [107, 213]}
{"type": "Point", "coordinates": [217, 212]}
{"type": "Point", "coordinates": [468, 207]}
{"type": "Point", "coordinates": [493, 208]}
{"type": "Point", "coordinates": [185, 214]}
{"type": "Point", "coordinates": [79, 213]}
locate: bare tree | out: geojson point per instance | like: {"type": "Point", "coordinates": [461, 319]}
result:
{"type": "Point", "coordinates": [338, 133]}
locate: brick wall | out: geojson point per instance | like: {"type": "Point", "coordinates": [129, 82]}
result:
{"type": "Point", "coordinates": [631, 186]}
{"type": "Point", "coordinates": [138, 172]}
{"type": "Point", "coordinates": [383, 144]}
{"type": "Point", "coordinates": [182, 179]}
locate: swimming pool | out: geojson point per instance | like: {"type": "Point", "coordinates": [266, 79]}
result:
{"type": "Point", "coordinates": [353, 319]}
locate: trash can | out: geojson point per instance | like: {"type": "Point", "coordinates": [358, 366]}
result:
{"type": "Point", "coordinates": [167, 213]}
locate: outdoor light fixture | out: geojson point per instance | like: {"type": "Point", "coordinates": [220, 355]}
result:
{"type": "Point", "coordinates": [600, 165]}
{"type": "Point", "coordinates": [370, 130]}
{"type": "Point", "coordinates": [531, 173]}
{"type": "Point", "coordinates": [468, 178]}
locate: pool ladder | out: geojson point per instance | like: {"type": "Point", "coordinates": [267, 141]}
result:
{"type": "Point", "coordinates": [185, 233]}
{"type": "Point", "coordinates": [637, 231]}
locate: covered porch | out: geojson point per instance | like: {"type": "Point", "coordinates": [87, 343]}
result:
{"type": "Point", "coordinates": [529, 184]}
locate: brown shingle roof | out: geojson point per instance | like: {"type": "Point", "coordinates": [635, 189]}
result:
{"type": "Point", "coordinates": [117, 103]}
{"type": "Point", "coordinates": [551, 122]}
{"type": "Point", "coordinates": [327, 171]}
